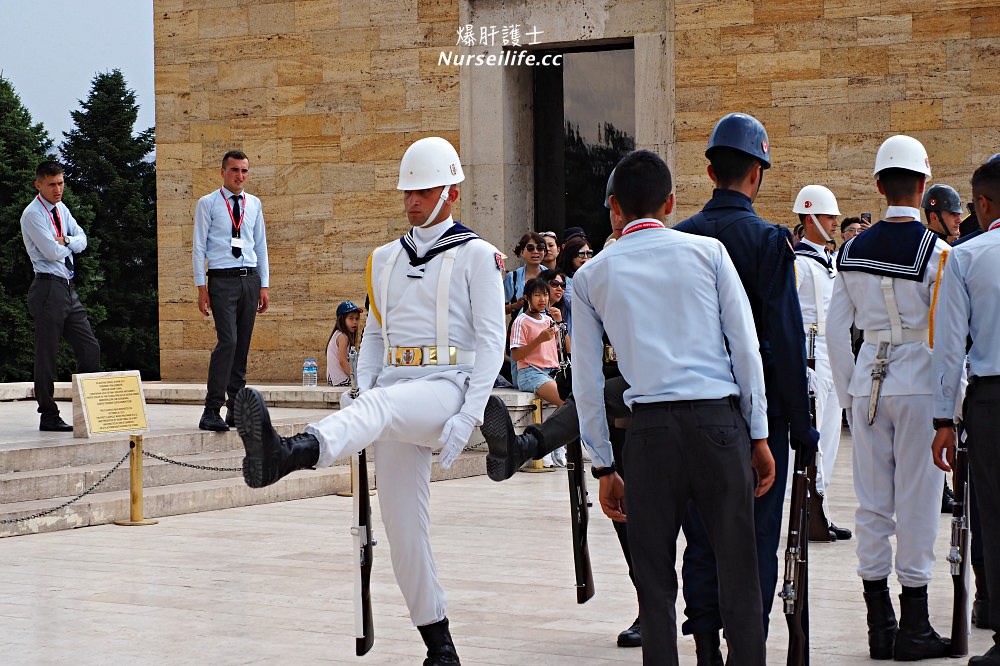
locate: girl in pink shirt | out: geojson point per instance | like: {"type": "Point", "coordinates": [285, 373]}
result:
{"type": "Point", "coordinates": [534, 345]}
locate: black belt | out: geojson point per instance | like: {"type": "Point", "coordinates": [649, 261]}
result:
{"type": "Point", "coordinates": [231, 272]}
{"type": "Point", "coordinates": [989, 379]}
{"type": "Point", "coordinates": [731, 401]}
{"type": "Point", "coordinates": [55, 278]}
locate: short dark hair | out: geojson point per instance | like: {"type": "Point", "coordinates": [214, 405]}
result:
{"type": "Point", "coordinates": [534, 286]}
{"type": "Point", "coordinates": [986, 180]}
{"type": "Point", "coordinates": [236, 155]}
{"type": "Point", "coordinates": [848, 221]}
{"type": "Point", "coordinates": [800, 228]}
{"type": "Point", "coordinates": [47, 169]}
{"type": "Point", "coordinates": [642, 183]}
{"type": "Point", "coordinates": [731, 166]}
{"type": "Point", "coordinates": [899, 183]}
{"type": "Point", "coordinates": [529, 237]}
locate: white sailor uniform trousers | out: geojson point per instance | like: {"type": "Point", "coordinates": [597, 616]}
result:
{"type": "Point", "coordinates": [897, 486]}
{"type": "Point", "coordinates": [815, 283]}
{"type": "Point", "coordinates": [455, 307]}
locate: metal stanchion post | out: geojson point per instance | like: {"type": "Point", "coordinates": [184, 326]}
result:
{"type": "Point", "coordinates": [135, 485]}
{"type": "Point", "coordinates": [537, 465]}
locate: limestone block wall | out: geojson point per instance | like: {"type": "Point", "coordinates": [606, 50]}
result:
{"type": "Point", "coordinates": [831, 79]}
{"type": "Point", "coordinates": [323, 96]}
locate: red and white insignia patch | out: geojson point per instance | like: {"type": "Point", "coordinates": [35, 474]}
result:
{"type": "Point", "coordinates": [933, 202]}
{"type": "Point", "coordinates": [764, 144]}
{"type": "Point", "coordinates": [499, 259]}
{"type": "Point", "coordinates": [809, 204]}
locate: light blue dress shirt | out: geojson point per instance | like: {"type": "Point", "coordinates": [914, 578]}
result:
{"type": "Point", "coordinates": [669, 302]}
{"type": "Point", "coordinates": [213, 234]}
{"type": "Point", "coordinates": [48, 256]}
{"type": "Point", "coordinates": [968, 304]}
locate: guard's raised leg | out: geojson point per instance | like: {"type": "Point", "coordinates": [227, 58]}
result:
{"type": "Point", "coordinates": [507, 451]}
{"type": "Point", "coordinates": [269, 456]}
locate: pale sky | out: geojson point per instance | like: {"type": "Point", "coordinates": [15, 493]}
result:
{"type": "Point", "coordinates": [50, 51]}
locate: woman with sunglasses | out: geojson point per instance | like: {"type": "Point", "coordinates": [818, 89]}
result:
{"type": "Point", "coordinates": [574, 254]}
{"type": "Point", "coordinates": [531, 250]}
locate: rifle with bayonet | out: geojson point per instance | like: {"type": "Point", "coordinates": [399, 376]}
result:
{"type": "Point", "coordinates": [958, 553]}
{"type": "Point", "coordinates": [361, 530]}
{"type": "Point", "coordinates": [795, 583]}
{"type": "Point", "coordinates": [819, 526]}
{"type": "Point", "coordinates": [579, 514]}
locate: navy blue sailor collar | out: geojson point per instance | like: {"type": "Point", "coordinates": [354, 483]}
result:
{"type": "Point", "coordinates": [806, 249]}
{"type": "Point", "coordinates": [457, 234]}
{"type": "Point", "coordinates": [893, 249]}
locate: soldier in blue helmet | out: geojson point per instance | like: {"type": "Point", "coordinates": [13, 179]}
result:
{"type": "Point", "coordinates": [739, 153]}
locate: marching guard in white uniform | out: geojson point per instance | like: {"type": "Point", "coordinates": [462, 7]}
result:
{"type": "Point", "coordinates": [886, 284]}
{"type": "Point", "coordinates": [815, 272]}
{"type": "Point", "coordinates": [429, 355]}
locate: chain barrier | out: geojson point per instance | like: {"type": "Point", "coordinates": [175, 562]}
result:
{"type": "Point", "coordinates": [40, 514]}
{"type": "Point", "coordinates": [207, 468]}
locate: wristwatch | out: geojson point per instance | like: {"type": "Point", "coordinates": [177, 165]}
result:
{"type": "Point", "coordinates": [598, 472]}
{"type": "Point", "coordinates": [944, 423]}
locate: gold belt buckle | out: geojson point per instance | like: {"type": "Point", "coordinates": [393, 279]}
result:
{"type": "Point", "coordinates": [609, 354]}
{"type": "Point", "coordinates": [409, 356]}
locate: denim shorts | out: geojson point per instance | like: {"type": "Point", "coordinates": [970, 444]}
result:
{"type": "Point", "coordinates": [530, 378]}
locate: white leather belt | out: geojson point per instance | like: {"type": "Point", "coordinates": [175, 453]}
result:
{"type": "Point", "coordinates": [419, 356]}
{"type": "Point", "coordinates": [904, 335]}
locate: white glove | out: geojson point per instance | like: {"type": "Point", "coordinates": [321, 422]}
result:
{"type": "Point", "coordinates": [345, 398]}
{"type": "Point", "coordinates": [812, 381]}
{"type": "Point", "coordinates": [454, 436]}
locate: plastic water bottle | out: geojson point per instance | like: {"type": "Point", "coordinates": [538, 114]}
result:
{"type": "Point", "coordinates": [309, 372]}
{"type": "Point", "coordinates": [313, 372]}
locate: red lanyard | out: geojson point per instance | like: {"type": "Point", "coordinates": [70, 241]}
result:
{"type": "Point", "coordinates": [243, 211]}
{"type": "Point", "coordinates": [652, 224]}
{"type": "Point", "coordinates": [55, 225]}
{"type": "Point", "coordinates": [994, 225]}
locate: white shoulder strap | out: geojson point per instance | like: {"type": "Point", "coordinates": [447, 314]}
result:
{"type": "Point", "coordinates": [895, 322]}
{"type": "Point", "coordinates": [384, 291]}
{"type": "Point", "coordinates": [817, 275]}
{"type": "Point", "coordinates": [443, 288]}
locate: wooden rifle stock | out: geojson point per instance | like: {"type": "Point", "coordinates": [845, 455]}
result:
{"type": "Point", "coordinates": [958, 553]}
{"type": "Point", "coordinates": [580, 518]}
{"type": "Point", "coordinates": [795, 586]}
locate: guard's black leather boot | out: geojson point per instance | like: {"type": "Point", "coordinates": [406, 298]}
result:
{"type": "Point", "coordinates": [882, 625]}
{"type": "Point", "coordinates": [947, 499]}
{"type": "Point", "coordinates": [916, 638]}
{"type": "Point", "coordinates": [631, 637]}
{"type": "Point", "coordinates": [707, 648]}
{"type": "Point", "coordinates": [440, 648]}
{"type": "Point", "coordinates": [507, 451]}
{"type": "Point", "coordinates": [991, 658]}
{"type": "Point", "coordinates": [269, 456]}
{"type": "Point", "coordinates": [981, 604]}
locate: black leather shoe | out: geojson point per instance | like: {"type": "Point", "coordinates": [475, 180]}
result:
{"type": "Point", "coordinates": [631, 637]}
{"type": "Point", "coordinates": [507, 451]}
{"type": "Point", "coordinates": [947, 499]}
{"type": "Point", "coordinates": [440, 647]}
{"type": "Point", "coordinates": [840, 533]}
{"type": "Point", "coordinates": [54, 424]}
{"type": "Point", "coordinates": [991, 658]}
{"type": "Point", "coordinates": [917, 639]}
{"type": "Point", "coordinates": [212, 420]}
{"type": "Point", "coordinates": [882, 627]}
{"type": "Point", "coordinates": [707, 648]}
{"type": "Point", "coordinates": [269, 456]}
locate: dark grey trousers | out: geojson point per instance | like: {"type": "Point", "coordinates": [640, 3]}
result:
{"type": "Point", "coordinates": [234, 307]}
{"type": "Point", "coordinates": [58, 313]}
{"type": "Point", "coordinates": [699, 451]}
{"type": "Point", "coordinates": [982, 421]}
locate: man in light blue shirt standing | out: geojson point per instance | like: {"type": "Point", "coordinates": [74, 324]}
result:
{"type": "Point", "coordinates": [51, 237]}
{"type": "Point", "coordinates": [229, 236]}
{"type": "Point", "coordinates": [688, 348]}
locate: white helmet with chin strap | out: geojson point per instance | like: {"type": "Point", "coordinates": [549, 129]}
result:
{"type": "Point", "coordinates": [814, 200]}
{"type": "Point", "coordinates": [902, 152]}
{"type": "Point", "coordinates": [428, 163]}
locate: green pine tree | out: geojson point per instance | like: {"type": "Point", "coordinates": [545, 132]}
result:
{"type": "Point", "coordinates": [23, 144]}
{"type": "Point", "coordinates": [106, 165]}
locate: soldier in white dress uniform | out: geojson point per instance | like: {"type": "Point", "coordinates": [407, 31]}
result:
{"type": "Point", "coordinates": [886, 283]}
{"type": "Point", "coordinates": [817, 208]}
{"type": "Point", "coordinates": [429, 354]}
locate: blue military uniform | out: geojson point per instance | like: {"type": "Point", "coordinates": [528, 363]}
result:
{"type": "Point", "coordinates": [764, 259]}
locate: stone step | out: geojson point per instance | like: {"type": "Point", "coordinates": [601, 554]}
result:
{"type": "Point", "coordinates": [192, 497]}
